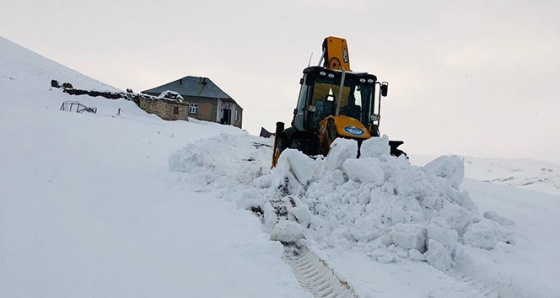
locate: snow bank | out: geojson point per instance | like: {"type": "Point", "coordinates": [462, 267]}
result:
{"type": "Point", "coordinates": [223, 160]}
{"type": "Point", "coordinates": [378, 204]}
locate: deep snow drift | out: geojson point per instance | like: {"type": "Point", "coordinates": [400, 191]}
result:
{"type": "Point", "coordinates": [377, 206]}
{"type": "Point", "coordinates": [132, 206]}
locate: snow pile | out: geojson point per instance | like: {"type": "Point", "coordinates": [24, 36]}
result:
{"type": "Point", "coordinates": [224, 160]}
{"type": "Point", "coordinates": [378, 204]}
{"type": "Point", "coordinates": [171, 96]}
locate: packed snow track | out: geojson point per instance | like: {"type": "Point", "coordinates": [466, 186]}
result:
{"type": "Point", "coordinates": [314, 274]}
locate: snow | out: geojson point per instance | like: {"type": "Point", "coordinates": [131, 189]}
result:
{"type": "Point", "coordinates": [540, 176]}
{"type": "Point", "coordinates": [171, 96]}
{"type": "Point", "coordinates": [416, 214]}
{"type": "Point", "coordinates": [89, 208]}
{"type": "Point", "coordinates": [287, 231]}
{"type": "Point", "coordinates": [130, 205]}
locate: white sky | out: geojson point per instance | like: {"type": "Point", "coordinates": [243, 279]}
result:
{"type": "Point", "coordinates": [461, 73]}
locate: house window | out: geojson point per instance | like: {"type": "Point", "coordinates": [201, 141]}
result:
{"type": "Point", "coordinates": [193, 108]}
{"type": "Point", "coordinates": [176, 110]}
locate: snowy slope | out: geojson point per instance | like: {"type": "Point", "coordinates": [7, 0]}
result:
{"type": "Point", "coordinates": [88, 207]}
{"type": "Point", "coordinates": [133, 206]}
{"type": "Point", "coordinates": [27, 72]}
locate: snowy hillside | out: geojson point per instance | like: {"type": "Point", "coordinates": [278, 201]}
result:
{"type": "Point", "coordinates": [128, 205]}
{"type": "Point", "coordinates": [28, 71]}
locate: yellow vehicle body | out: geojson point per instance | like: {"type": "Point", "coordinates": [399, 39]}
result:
{"type": "Point", "coordinates": [341, 126]}
{"type": "Point", "coordinates": [336, 52]}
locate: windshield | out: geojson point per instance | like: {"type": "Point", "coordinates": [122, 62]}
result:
{"type": "Point", "coordinates": [355, 101]}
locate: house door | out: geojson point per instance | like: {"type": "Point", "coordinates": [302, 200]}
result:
{"type": "Point", "coordinates": [226, 119]}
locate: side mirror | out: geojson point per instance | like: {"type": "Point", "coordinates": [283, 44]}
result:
{"type": "Point", "coordinates": [384, 88]}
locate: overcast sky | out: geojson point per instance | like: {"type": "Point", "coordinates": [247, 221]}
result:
{"type": "Point", "coordinates": [466, 77]}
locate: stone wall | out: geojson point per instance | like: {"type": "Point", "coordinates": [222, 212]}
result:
{"type": "Point", "coordinates": [165, 109]}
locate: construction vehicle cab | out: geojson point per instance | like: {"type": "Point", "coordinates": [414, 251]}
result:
{"type": "Point", "coordinates": [319, 98]}
{"type": "Point", "coordinates": [333, 102]}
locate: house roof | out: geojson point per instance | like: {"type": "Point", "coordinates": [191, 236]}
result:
{"type": "Point", "coordinates": [194, 87]}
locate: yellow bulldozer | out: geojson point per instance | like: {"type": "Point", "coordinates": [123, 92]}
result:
{"type": "Point", "coordinates": [333, 102]}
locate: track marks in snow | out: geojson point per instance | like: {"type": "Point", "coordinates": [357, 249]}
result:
{"type": "Point", "coordinates": [478, 287]}
{"type": "Point", "coordinates": [315, 275]}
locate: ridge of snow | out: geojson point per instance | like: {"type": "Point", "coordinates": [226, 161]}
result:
{"type": "Point", "coordinates": [401, 208]}
{"type": "Point", "coordinates": [417, 214]}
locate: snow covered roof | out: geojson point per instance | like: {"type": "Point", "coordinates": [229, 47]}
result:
{"type": "Point", "coordinates": [171, 96]}
{"type": "Point", "coordinates": [190, 86]}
